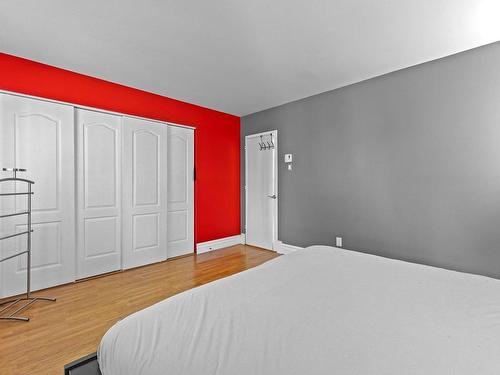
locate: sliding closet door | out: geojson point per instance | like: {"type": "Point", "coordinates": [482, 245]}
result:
{"type": "Point", "coordinates": [144, 192]}
{"type": "Point", "coordinates": [180, 191]}
{"type": "Point", "coordinates": [98, 193]}
{"type": "Point", "coordinates": [39, 136]}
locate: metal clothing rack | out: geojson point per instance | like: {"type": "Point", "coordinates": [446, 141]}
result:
{"type": "Point", "coordinates": [19, 304]}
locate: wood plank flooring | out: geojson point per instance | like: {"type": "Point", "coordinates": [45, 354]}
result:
{"type": "Point", "coordinates": [60, 332]}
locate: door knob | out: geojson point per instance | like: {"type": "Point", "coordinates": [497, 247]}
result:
{"type": "Point", "coordinates": [272, 196]}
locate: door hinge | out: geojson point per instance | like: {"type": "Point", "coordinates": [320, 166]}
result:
{"type": "Point", "coordinates": [194, 173]}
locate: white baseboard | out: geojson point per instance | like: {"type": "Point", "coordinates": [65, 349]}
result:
{"type": "Point", "coordinates": [204, 247]}
{"type": "Point", "coordinates": [284, 248]}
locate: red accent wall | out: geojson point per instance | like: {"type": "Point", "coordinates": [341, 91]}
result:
{"type": "Point", "coordinates": [217, 135]}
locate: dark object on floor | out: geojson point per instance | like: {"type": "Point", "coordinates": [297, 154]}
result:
{"type": "Point", "coordinates": [84, 366]}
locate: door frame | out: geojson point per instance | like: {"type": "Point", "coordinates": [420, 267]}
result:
{"type": "Point", "coordinates": [275, 175]}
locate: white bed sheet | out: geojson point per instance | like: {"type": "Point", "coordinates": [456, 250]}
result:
{"type": "Point", "coordinates": [321, 310]}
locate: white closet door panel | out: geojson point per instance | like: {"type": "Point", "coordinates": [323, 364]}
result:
{"type": "Point", "coordinates": [180, 191]}
{"type": "Point", "coordinates": [98, 192]}
{"type": "Point", "coordinates": [39, 136]}
{"type": "Point", "coordinates": [144, 192]}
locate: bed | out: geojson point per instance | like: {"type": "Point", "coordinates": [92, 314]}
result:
{"type": "Point", "coordinates": [321, 310]}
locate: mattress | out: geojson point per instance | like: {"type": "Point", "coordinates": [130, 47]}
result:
{"type": "Point", "coordinates": [320, 310]}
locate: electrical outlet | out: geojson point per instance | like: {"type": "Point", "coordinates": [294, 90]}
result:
{"type": "Point", "coordinates": [338, 241]}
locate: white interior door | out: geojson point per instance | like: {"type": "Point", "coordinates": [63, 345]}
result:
{"type": "Point", "coordinates": [180, 220]}
{"type": "Point", "coordinates": [39, 136]}
{"type": "Point", "coordinates": [98, 193]}
{"type": "Point", "coordinates": [261, 175]}
{"type": "Point", "coordinates": [144, 203]}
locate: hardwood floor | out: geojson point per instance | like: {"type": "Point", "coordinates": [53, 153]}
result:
{"type": "Point", "coordinates": [60, 332]}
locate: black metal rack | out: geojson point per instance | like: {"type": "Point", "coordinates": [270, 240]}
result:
{"type": "Point", "coordinates": [19, 304]}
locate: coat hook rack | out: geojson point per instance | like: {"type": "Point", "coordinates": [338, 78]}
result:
{"type": "Point", "coordinates": [266, 145]}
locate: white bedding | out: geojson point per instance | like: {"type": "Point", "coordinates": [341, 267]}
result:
{"type": "Point", "coordinates": [321, 310]}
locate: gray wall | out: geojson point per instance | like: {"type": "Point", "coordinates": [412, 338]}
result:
{"type": "Point", "coordinates": [406, 165]}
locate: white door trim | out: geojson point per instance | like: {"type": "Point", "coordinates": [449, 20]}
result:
{"type": "Point", "coordinates": [275, 174]}
{"type": "Point", "coordinates": [284, 248]}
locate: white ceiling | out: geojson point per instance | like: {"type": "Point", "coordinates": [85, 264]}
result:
{"type": "Point", "coordinates": [242, 56]}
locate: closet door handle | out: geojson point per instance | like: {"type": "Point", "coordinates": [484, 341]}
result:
{"type": "Point", "coordinates": [272, 196]}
